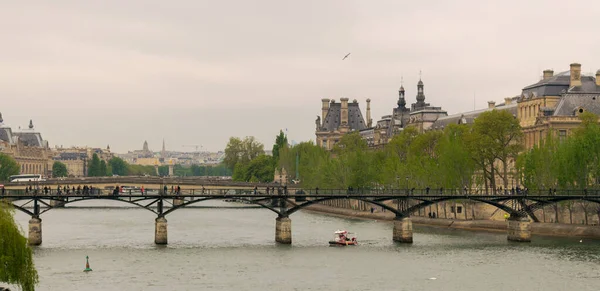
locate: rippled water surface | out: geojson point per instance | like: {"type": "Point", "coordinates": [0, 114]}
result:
{"type": "Point", "coordinates": [234, 249]}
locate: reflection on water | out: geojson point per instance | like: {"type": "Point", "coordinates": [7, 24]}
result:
{"type": "Point", "coordinates": [225, 249]}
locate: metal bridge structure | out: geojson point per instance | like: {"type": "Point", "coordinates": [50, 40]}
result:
{"type": "Point", "coordinates": [519, 207]}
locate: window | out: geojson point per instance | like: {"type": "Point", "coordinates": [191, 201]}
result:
{"type": "Point", "coordinates": [458, 209]}
{"type": "Point", "coordinates": [562, 134]}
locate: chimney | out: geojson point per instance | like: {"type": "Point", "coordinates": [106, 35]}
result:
{"type": "Point", "coordinates": [324, 107]}
{"type": "Point", "coordinates": [344, 111]}
{"type": "Point", "coordinates": [369, 121]}
{"type": "Point", "coordinates": [575, 75]}
{"type": "Point", "coordinates": [491, 104]}
{"type": "Point", "coordinates": [507, 101]}
{"type": "Point", "coordinates": [548, 74]}
{"type": "Point", "coordinates": [598, 78]}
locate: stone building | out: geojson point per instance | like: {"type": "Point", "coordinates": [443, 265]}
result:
{"type": "Point", "coordinates": [77, 158]}
{"type": "Point", "coordinates": [553, 104]}
{"type": "Point", "coordinates": [28, 148]}
{"type": "Point", "coordinates": [420, 115]}
{"type": "Point", "coordinates": [338, 119]}
{"type": "Point", "coordinates": [144, 156]}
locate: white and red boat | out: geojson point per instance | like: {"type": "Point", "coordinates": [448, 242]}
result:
{"type": "Point", "coordinates": [344, 238]}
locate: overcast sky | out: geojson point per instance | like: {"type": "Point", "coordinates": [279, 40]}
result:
{"type": "Point", "coordinates": [116, 72]}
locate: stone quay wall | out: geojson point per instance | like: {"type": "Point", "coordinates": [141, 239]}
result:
{"type": "Point", "coordinates": [486, 218]}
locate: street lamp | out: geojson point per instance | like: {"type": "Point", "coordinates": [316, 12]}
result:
{"type": "Point", "coordinates": [407, 185]}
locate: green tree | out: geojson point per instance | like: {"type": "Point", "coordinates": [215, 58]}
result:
{"type": "Point", "coordinates": [140, 170]}
{"type": "Point", "coordinates": [103, 169]}
{"type": "Point", "coordinates": [118, 166]}
{"type": "Point", "coordinates": [243, 151]}
{"type": "Point", "coordinates": [59, 169]}
{"type": "Point", "coordinates": [312, 163]}
{"type": "Point", "coordinates": [94, 167]}
{"type": "Point", "coordinates": [181, 171]}
{"type": "Point", "coordinates": [280, 142]}
{"type": "Point", "coordinates": [16, 257]}
{"type": "Point", "coordinates": [163, 171]}
{"type": "Point", "coordinates": [259, 169]}
{"type": "Point", "coordinates": [8, 167]}
{"type": "Point", "coordinates": [496, 137]}
{"type": "Point", "coordinates": [454, 157]}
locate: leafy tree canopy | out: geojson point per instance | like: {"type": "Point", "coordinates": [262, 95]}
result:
{"type": "Point", "coordinates": [59, 169]}
{"type": "Point", "coordinates": [16, 257]}
{"type": "Point", "coordinates": [8, 167]}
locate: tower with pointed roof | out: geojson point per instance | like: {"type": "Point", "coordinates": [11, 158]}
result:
{"type": "Point", "coordinates": [401, 98]}
{"type": "Point", "coordinates": [420, 96]}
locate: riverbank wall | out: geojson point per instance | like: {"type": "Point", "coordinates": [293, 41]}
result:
{"type": "Point", "coordinates": [548, 229]}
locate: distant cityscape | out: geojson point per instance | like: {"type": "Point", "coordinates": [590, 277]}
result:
{"type": "Point", "coordinates": [34, 155]}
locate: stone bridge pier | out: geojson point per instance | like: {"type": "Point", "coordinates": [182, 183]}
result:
{"type": "Point", "coordinates": [57, 203]}
{"type": "Point", "coordinates": [519, 229]}
{"type": "Point", "coordinates": [283, 230]}
{"type": "Point", "coordinates": [160, 231]}
{"type": "Point", "coordinates": [403, 230]}
{"type": "Point", "coordinates": [178, 201]}
{"type": "Point", "coordinates": [35, 231]}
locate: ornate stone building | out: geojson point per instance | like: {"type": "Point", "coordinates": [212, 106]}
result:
{"type": "Point", "coordinates": [420, 115]}
{"type": "Point", "coordinates": [339, 119]}
{"type": "Point", "coordinates": [77, 158]}
{"type": "Point", "coordinates": [28, 148]}
{"type": "Point", "coordinates": [553, 104]}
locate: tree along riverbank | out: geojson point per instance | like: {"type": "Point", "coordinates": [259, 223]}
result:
{"type": "Point", "coordinates": [550, 229]}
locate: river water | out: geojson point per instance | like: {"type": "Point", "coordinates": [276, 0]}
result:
{"type": "Point", "coordinates": [234, 249]}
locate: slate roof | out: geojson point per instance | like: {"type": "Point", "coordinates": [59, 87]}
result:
{"type": "Point", "coordinates": [32, 139]}
{"type": "Point", "coordinates": [469, 117]}
{"type": "Point", "coordinates": [572, 102]}
{"type": "Point", "coordinates": [334, 119]}
{"type": "Point", "coordinates": [6, 134]}
{"type": "Point", "coordinates": [559, 84]}
{"type": "Point", "coordinates": [71, 156]}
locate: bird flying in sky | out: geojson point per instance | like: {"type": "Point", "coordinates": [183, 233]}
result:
{"type": "Point", "coordinates": [346, 56]}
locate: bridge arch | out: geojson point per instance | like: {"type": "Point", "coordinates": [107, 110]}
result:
{"type": "Point", "coordinates": [424, 203]}
{"type": "Point", "coordinates": [311, 202]}
{"type": "Point", "coordinates": [78, 199]}
{"type": "Point", "coordinates": [216, 198]}
{"type": "Point", "coordinates": [543, 203]}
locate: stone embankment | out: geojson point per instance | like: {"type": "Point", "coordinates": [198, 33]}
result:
{"type": "Point", "coordinates": [550, 229]}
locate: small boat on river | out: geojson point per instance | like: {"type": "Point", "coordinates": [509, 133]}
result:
{"type": "Point", "coordinates": [343, 238]}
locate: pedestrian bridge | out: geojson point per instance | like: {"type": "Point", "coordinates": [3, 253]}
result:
{"type": "Point", "coordinates": [400, 202]}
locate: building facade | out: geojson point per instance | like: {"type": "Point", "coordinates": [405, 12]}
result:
{"type": "Point", "coordinates": [553, 105]}
{"type": "Point", "coordinates": [339, 119]}
{"type": "Point", "coordinates": [28, 148]}
{"type": "Point", "coordinates": [77, 158]}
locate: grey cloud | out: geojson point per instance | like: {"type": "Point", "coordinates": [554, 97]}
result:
{"type": "Point", "coordinates": [196, 72]}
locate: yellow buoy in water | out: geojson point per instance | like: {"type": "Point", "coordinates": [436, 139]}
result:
{"type": "Point", "coordinates": [87, 265]}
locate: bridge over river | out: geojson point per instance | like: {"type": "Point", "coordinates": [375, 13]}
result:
{"type": "Point", "coordinates": [520, 207]}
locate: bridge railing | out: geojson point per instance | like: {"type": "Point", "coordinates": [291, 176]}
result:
{"type": "Point", "coordinates": [313, 192]}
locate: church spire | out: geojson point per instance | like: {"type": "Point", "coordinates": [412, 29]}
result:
{"type": "Point", "coordinates": [30, 124]}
